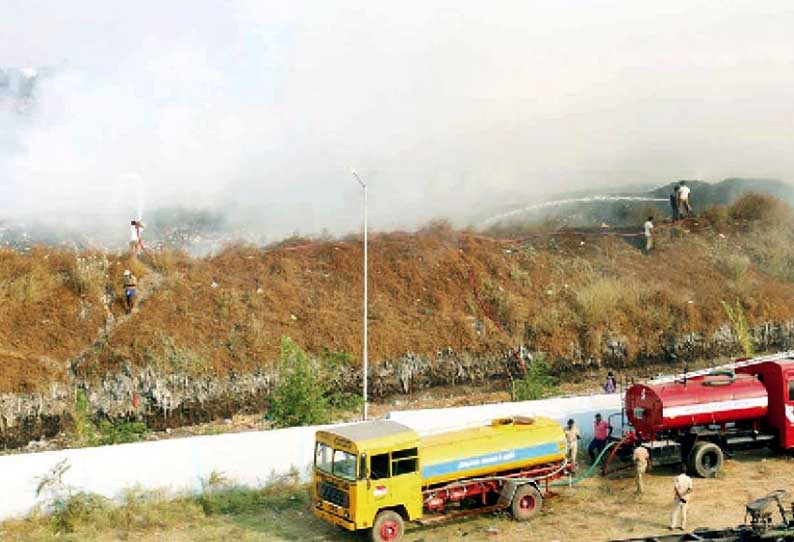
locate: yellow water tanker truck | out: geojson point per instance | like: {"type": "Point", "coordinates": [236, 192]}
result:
{"type": "Point", "coordinates": [377, 475]}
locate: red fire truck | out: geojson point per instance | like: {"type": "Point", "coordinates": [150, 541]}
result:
{"type": "Point", "coordinates": [699, 418]}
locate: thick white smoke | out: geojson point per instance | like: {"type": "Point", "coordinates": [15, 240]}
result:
{"type": "Point", "coordinates": [261, 109]}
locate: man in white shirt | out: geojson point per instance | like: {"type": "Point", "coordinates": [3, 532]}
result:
{"type": "Point", "coordinates": [682, 486]}
{"type": "Point", "coordinates": [136, 241]}
{"type": "Point", "coordinates": [648, 232]}
{"type": "Point", "coordinates": [572, 437]}
{"type": "Point", "coordinates": [683, 200]}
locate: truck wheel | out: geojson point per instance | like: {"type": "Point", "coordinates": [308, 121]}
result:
{"type": "Point", "coordinates": [527, 502]}
{"type": "Point", "coordinates": [388, 527]}
{"type": "Point", "coordinates": [705, 459]}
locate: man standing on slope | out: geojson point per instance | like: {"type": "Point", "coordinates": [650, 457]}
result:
{"type": "Point", "coordinates": [648, 233]}
{"type": "Point", "coordinates": [674, 203]}
{"type": "Point", "coordinates": [683, 200]}
{"type": "Point", "coordinates": [682, 486]}
{"type": "Point", "coordinates": [136, 241]}
{"type": "Point", "coordinates": [600, 433]}
{"type": "Point", "coordinates": [572, 438]}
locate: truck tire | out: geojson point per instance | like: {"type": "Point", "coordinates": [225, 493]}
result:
{"type": "Point", "coordinates": [705, 459]}
{"type": "Point", "coordinates": [527, 502]}
{"type": "Point", "coordinates": [388, 527]}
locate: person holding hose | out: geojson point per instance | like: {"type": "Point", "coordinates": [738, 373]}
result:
{"type": "Point", "coordinates": [600, 433]}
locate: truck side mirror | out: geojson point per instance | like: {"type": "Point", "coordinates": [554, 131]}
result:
{"type": "Point", "coordinates": [363, 471]}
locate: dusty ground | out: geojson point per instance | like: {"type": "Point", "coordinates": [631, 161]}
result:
{"type": "Point", "coordinates": [598, 509]}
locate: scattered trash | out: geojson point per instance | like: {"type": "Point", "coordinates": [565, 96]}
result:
{"type": "Point", "coordinates": [214, 284]}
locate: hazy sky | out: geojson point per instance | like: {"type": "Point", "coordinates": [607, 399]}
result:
{"type": "Point", "coordinates": [264, 108]}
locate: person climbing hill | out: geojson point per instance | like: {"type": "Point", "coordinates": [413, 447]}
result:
{"type": "Point", "coordinates": [130, 290]}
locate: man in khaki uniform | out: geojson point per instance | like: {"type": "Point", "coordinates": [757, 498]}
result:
{"type": "Point", "coordinates": [641, 461]}
{"type": "Point", "coordinates": [572, 437]}
{"type": "Point", "coordinates": [682, 485]}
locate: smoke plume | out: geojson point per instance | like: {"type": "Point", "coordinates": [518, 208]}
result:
{"type": "Point", "coordinates": [260, 110]}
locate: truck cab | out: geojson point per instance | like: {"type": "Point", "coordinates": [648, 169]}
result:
{"type": "Point", "coordinates": [778, 378]}
{"type": "Point", "coordinates": [368, 476]}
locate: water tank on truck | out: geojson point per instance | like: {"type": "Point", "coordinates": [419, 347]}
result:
{"type": "Point", "coordinates": [695, 419]}
{"type": "Point", "coordinates": [379, 474]}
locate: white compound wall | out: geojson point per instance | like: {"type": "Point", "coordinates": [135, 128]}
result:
{"type": "Point", "coordinates": [251, 458]}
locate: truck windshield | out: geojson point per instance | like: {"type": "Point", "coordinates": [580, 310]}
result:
{"type": "Point", "coordinates": [336, 462]}
{"type": "Point", "coordinates": [344, 465]}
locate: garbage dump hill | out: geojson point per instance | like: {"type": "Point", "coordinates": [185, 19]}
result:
{"type": "Point", "coordinates": [446, 307]}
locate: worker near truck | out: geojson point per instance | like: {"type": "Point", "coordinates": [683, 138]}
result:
{"type": "Point", "coordinates": [572, 438]}
{"type": "Point", "coordinates": [682, 487]}
{"type": "Point", "coordinates": [642, 460]}
{"type": "Point", "coordinates": [601, 430]}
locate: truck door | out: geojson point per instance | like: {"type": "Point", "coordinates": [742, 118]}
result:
{"type": "Point", "coordinates": [787, 431]}
{"type": "Point", "coordinates": [394, 482]}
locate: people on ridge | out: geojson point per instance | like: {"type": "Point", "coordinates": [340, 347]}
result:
{"type": "Point", "coordinates": [684, 208]}
{"type": "Point", "coordinates": [136, 239]}
{"type": "Point", "coordinates": [648, 233]}
{"type": "Point", "coordinates": [674, 203]}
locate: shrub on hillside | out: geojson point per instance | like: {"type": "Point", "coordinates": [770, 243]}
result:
{"type": "Point", "coordinates": [440, 228]}
{"type": "Point", "coordinates": [730, 264]}
{"type": "Point", "coordinates": [87, 275]}
{"type": "Point", "coordinates": [599, 300]}
{"type": "Point", "coordinates": [536, 383]}
{"type": "Point", "coordinates": [773, 252]}
{"type": "Point", "coordinates": [762, 208]}
{"type": "Point", "coordinates": [299, 395]}
{"type": "Point", "coordinates": [717, 215]}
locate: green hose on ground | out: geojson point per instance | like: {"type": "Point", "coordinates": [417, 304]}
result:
{"type": "Point", "coordinates": [588, 472]}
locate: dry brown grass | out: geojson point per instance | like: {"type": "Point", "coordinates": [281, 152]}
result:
{"type": "Point", "coordinates": [553, 295]}
{"type": "Point", "coordinates": [596, 510]}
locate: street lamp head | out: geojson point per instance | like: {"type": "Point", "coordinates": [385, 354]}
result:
{"type": "Point", "coordinates": [362, 183]}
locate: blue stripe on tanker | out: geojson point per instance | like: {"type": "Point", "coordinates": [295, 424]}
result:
{"type": "Point", "coordinates": [487, 460]}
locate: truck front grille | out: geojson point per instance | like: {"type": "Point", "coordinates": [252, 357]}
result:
{"type": "Point", "coordinates": [333, 495]}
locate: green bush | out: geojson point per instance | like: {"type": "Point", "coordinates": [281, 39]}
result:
{"type": "Point", "coordinates": [736, 316]}
{"type": "Point", "coordinates": [121, 432]}
{"type": "Point", "coordinates": [83, 428]}
{"type": "Point", "coordinates": [299, 397]}
{"type": "Point", "coordinates": [536, 383]}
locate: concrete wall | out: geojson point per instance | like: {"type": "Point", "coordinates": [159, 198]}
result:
{"type": "Point", "coordinates": [248, 458]}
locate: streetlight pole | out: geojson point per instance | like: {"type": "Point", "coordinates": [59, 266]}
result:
{"type": "Point", "coordinates": [366, 303]}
